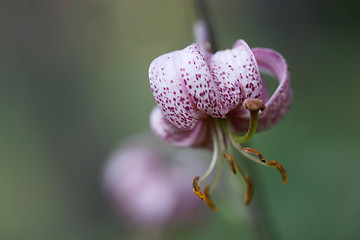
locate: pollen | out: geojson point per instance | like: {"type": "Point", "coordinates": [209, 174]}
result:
{"type": "Point", "coordinates": [249, 191]}
{"type": "Point", "coordinates": [230, 160]}
{"type": "Point", "coordinates": [280, 168]}
{"type": "Point", "coordinates": [203, 196]}
{"type": "Point", "coordinates": [255, 152]}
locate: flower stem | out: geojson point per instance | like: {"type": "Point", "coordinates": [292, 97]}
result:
{"type": "Point", "coordinates": [202, 12]}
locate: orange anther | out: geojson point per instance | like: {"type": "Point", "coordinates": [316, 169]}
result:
{"type": "Point", "coordinates": [249, 190]}
{"type": "Point", "coordinates": [255, 152]}
{"type": "Point", "coordinates": [280, 168]}
{"type": "Point", "coordinates": [230, 161]}
{"type": "Point", "coordinates": [204, 196]}
{"type": "Point", "coordinates": [196, 189]}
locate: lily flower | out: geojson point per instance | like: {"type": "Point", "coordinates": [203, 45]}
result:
{"type": "Point", "coordinates": [218, 100]}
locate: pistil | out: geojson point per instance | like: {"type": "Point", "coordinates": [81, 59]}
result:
{"type": "Point", "coordinates": [254, 105]}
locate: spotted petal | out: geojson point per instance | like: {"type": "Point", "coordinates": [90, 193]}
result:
{"type": "Point", "coordinates": [166, 131]}
{"type": "Point", "coordinates": [236, 75]}
{"type": "Point", "coordinates": [182, 85]}
{"type": "Point", "coordinates": [273, 63]}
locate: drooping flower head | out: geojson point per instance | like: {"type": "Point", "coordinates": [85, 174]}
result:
{"type": "Point", "coordinates": [148, 186]}
{"type": "Point", "coordinates": [206, 99]}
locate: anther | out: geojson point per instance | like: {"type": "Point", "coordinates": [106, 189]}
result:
{"type": "Point", "coordinates": [249, 190]}
{"type": "Point", "coordinates": [280, 168]}
{"type": "Point", "coordinates": [230, 161]}
{"type": "Point", "coordinates": [255, 152]}
{"type": "Point", "coordinates": [255, 155]}
{"type": "Point", "coordinates": [196, 189]}
{"type": "Point", "coordinates": [204, 196]}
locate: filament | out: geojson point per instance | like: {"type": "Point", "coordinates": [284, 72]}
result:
{"type": "Point", "coordinates": [257, 157]}
{"type": "Point", "coordinates": [215, 156]}
{"type": "Point", "coordinates": [217, 177]}
{"type": "Point", "coordinates": [247, 181]}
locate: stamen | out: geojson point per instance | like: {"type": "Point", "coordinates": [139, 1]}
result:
{"type": "Point", "coordinates": [280, 168]}
{"type": "Point", "coordinates": [220, 141]}
{"type": "Point", "coordinates": [217, 177]}
{"type": "Point", "coordinates": [256, 156]}
{"type": "Point", "coordinates": [196, 189]}
{"type": "Point", "coordinates": [204, 196]}
{"type": "Point", "coordinates": [255, 152]}
{"type": "Point", "coordinates": [220, 136]}
{"type": "Point", "coordinates": [208, 200]}
{"type": "Point", "coordinates": [215, 156]}
{"type": "Point", "coordinates": [249, 191]}
{"type": "Point", "coordinates": [247, 181]}
{"type": "Point", "coordinates": [254, 105]}
{"type": "Point", "coordinates": [230, 161]}
{"type": "Point", "coordinates": [238, 147]}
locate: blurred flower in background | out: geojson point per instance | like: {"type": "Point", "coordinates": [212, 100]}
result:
{"type": "Point", "coordinates": [149, 183]}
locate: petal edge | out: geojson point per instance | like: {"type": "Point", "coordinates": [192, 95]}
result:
{"type": "Point", "coordinates": [166, 131]}
{"type": "Point", "coordinates": [274, 63]}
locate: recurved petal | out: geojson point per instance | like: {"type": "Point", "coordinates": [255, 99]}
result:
{"type": "Point", "coordinates": [236, 75]}
{"type": "Point", "coordinates": [275, 64]}
{"type": "Point", "coordinates": [166, 131]}
{"type": "Point", "coordinates": [182, 85]}
{"type": "Point", "coordinates": [251, 78]}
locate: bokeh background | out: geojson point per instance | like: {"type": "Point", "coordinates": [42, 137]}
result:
{"type": "Point", "coordinates": [73, 77]}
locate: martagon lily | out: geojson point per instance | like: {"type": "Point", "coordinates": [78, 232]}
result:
{"type": "Point", "coordinates": [208, 99]}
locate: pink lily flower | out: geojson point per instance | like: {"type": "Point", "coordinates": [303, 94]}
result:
{"type": "Point", "coordinates": [205, 99]}
{"type": "Point", "coordinates": [186, 99]}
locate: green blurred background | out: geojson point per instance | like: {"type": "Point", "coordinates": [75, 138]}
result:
{"type": "Point", "coordinates": [74, 82]}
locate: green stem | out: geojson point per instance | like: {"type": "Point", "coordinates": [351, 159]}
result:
{"type": "Point", "coordinates": [202, 12]}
